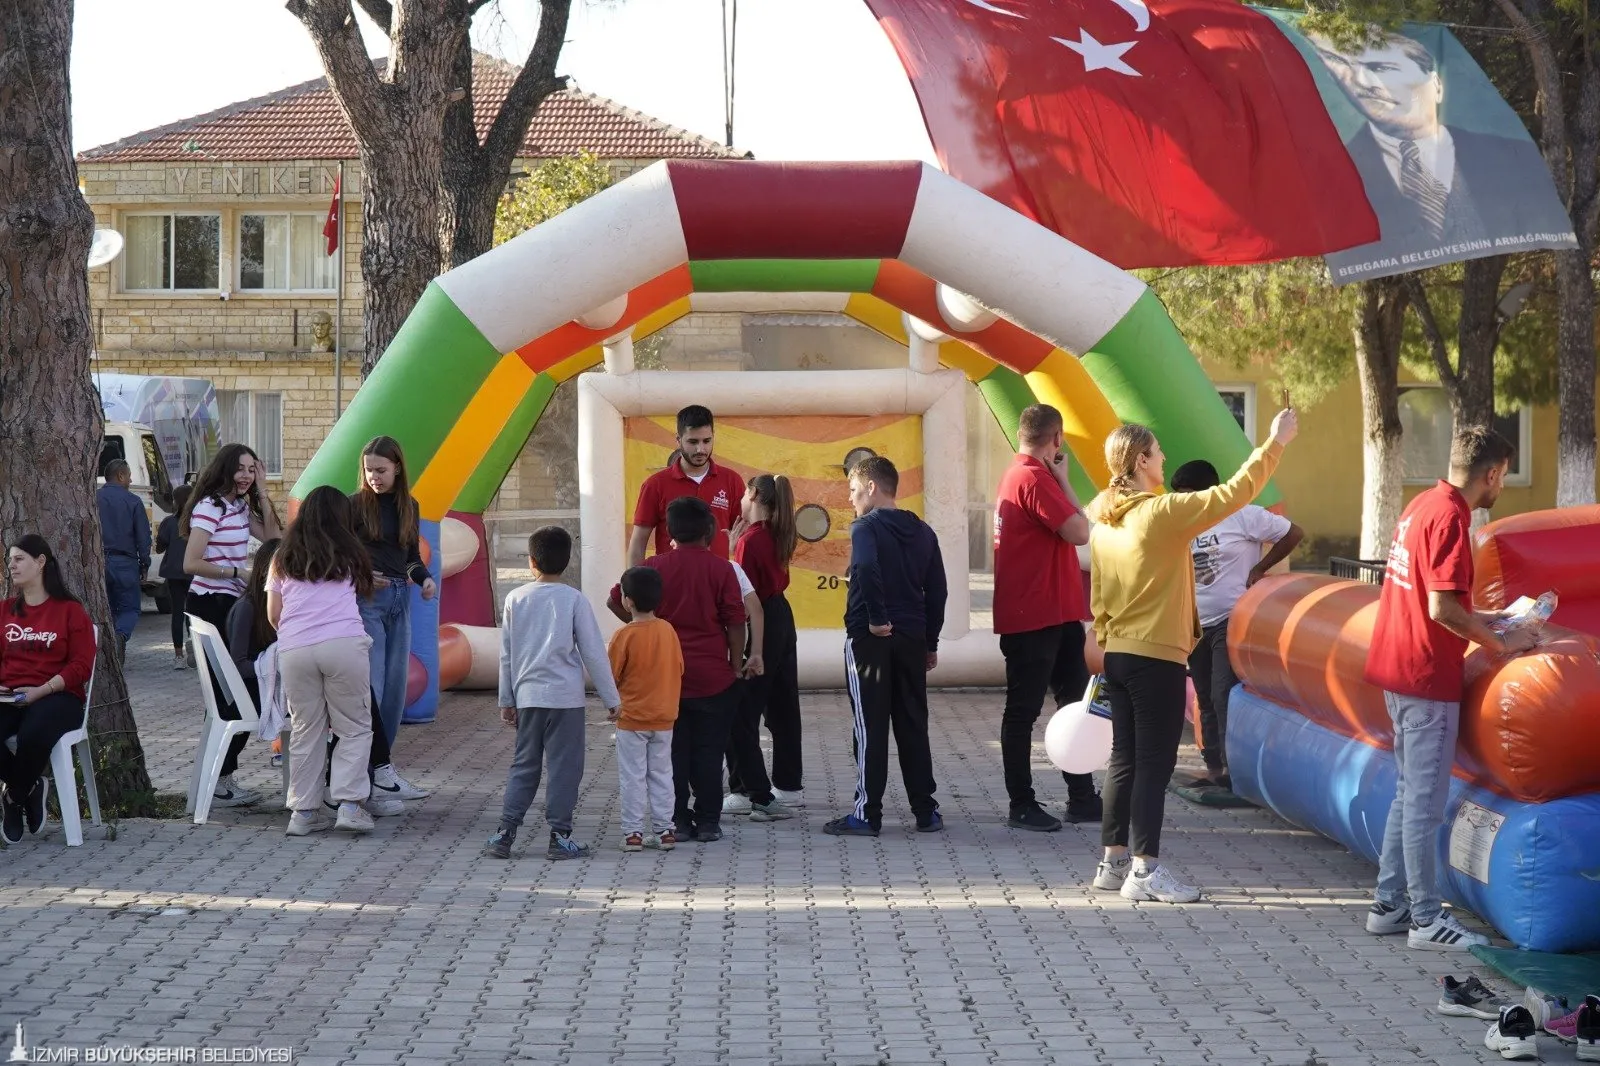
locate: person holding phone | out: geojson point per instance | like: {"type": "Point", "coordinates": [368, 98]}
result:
{"type": "Point", "coordinates": [1038, 610]}
{"type": "Point", "coordinates": [226, 508]}
{"type": "Point", "coordinates": [47, 651]}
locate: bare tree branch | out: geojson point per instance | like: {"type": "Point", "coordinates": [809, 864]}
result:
{"type": "Point", "coordinates": [333, 29]}
{"type": "Point", "coordinates": [1430, 329]}
{"type": "Point", "coordinates": [379, 11]}
{"type": "Point", "coordinates": [534, 82]}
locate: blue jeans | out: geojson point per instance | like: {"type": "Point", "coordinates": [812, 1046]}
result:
{"type": "Point", "coordinates": [122, 593]}
{"type": "Point", "coordinates": [386, 616]}
{"type": "Point", "coordinates": [1424, 753]}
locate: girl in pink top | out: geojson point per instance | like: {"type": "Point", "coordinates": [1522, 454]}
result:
{"type": "Point", "coordinates": [316, 576]}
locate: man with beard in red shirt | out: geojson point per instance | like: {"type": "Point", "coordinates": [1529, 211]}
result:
{"type": "Point", "coordinates": [690, 472]}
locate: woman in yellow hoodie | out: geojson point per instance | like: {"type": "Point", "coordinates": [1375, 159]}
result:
{"type": "Point", "coordinates": [1142, 597]}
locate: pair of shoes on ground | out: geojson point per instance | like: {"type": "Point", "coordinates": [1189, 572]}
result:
{"type": "Point", "coordinates": [1157, 884]}
{"type": "Point", "coordinates": [850, 826]}
{"type": "Point", "coordinates": [1444, 933]}
{"type": "Point", "coordinates": [27, 814]}
{"type": "Point", "coordinates": [737, 803]}
{"type": "Point", "coordinates": [664, 841]}
{"type": "Point", "coordinates": [560, 846]}
{"type": "Point", "coordinates": [1514, 1034]}
{"type": "Point", "coordinates": [1036, 819]}
{"type": "Point", "coordinates": [350, 817]}
{"type": "Point", "coordinates": [1580, 1026]}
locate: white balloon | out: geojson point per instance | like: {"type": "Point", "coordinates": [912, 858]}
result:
{"type": "Point", "coordinates": [1076, 741]}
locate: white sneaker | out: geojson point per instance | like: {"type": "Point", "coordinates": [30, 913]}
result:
{"type": "Point", "coordinates": [381, 806]}
{"type": "Point", "coordinates": [1158, 885]}
{"type": "Point", "coordinates": [388, 780]}
{"type": "Point", "coordinates": [353, 818]}
{"type": "Point", "coordinates": [1384, 920]}
{"type": "Point", "coordinates": [793, 800]}
{"type": "Point", "coordinates": [1513, 1034]}
{"type": "Point", "coordinates": [230, 793]}
{"type": "Point", "coordinates": [304, 823]}
{"type": "Point", "coordinates": [1111, 873]}
{"type": "Point", "coordinates": [736, 803]}
{"type": "Point", "coordinates": [1444, 933]}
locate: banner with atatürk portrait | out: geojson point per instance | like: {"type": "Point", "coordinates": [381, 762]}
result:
{"type": "Point", "coordinates": [1449, 169]}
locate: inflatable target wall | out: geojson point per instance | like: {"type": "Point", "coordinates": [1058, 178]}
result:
{"type": "Point", "coordinates": [1309, 739]}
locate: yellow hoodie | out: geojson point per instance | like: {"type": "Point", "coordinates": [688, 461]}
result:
{"type": "Point", "coordinates": [1142, 581]}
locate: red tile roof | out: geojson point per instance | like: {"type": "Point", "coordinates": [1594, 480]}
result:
{"type": "Point", "coordinates": [304, 122]}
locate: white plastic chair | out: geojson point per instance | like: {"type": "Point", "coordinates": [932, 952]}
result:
{"type": "Point", "coordinates": [62, 778]}
{"type": "Point", "coordinates": [218, 732]}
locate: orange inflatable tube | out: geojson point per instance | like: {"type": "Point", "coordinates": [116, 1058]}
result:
{"type": "Point", "coordinates": [1530, 726]}
{"type": "Point", "coordinates": [1528, 554]}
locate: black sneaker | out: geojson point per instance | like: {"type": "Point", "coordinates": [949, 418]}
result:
{"type": "Point", "coordinates": [1033, 818]}
{"type": "Point", "coordinates": [10, 819]}
{"type": "Point", "coordinates": [1587, 1033]}
{"type": "Point", "coordinates": [562, 847]}
{"type": "Point", "coordinates": [707, 832]}
{"type": "Point", "coordinates": [33, 807]}
{"type": "Point", "coordinates": [850, 826]}
{"type": "Point", "coordinates": [1514, 1034]}
{"type": "Point", "coordinates": [931, 822]}
{"type": "Point", "coordinates": [1469, 999]}
{"type": "Point", "coordinates": [1082, 809]}
{"type": "Point", "coordinates": [499, 845]}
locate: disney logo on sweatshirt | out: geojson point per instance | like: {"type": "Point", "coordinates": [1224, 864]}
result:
{"type": "Point", "coordinates": [15, 633]}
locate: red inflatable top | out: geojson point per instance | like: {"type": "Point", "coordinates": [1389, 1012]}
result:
{"type": "Point", "coordinates": [1528, 554]}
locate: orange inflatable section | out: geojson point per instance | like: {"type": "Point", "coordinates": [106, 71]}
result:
{"type": "Point", "coordinates": [1530, 726]}
{"type": "Point", "coordinates": [1528, 554]}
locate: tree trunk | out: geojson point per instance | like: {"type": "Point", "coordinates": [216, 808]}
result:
{"type": "Point", "coordinates": [1575, 289]}
{"type": "Point", "coordinates": [50, 415]}
{"type": "Point", "coordinates": [1380, 319]}
{"type": "Point", "coordinates": [401, 247]}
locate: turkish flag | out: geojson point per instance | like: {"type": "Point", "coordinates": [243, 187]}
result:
{"type": "Point", "coordinates": [1154, 133]}
{"type": "Point", "coordinates": [330, 228]}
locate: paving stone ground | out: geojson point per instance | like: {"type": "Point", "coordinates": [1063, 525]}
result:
{"type": "Point", "coordinates": [980, 945]}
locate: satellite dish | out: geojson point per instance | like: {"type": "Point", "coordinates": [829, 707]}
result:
{"type": "Point", "coordinates": [107, 246]}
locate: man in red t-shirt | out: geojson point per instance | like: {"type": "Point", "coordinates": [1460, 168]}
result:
{"type": "Point", "coordinates": [1425, 622]}
{"type": "Point", "coordinates": [690, 473]}
{"type": "Point", "coordinates": [1039, 610]}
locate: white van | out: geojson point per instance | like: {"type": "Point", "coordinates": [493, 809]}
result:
{"type": "Point", "coordinates": [167, 430]}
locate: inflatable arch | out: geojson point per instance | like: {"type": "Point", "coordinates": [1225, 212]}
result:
{"type": "Point", "coordinates": [901, 247]}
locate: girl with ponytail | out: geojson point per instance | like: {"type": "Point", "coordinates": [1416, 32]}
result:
{"type": "Point", "coordinates": [764, 543]}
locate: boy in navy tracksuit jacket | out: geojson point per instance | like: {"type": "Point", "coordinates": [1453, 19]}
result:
{"type": "Point", "coordinates": [893, 613]}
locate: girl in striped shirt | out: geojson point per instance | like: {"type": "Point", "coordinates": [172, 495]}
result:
{"type": "Point", "coordinates": [226, 508]}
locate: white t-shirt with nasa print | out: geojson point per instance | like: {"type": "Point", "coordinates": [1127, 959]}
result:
{"type": "Point", "coordinates": [1225, 554]}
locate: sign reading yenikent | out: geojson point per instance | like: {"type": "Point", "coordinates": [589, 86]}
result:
{"type": "Point", "coordinates": [258, 179]}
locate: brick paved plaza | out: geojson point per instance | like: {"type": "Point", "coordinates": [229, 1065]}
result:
{"type": "Point", "coordinates": [776, 945]}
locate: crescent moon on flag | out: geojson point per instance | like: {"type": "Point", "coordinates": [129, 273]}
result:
{"type": "Point", "coordinates": [1135, 8]}
{"type": "Point", "coordinates": [1012, 14]}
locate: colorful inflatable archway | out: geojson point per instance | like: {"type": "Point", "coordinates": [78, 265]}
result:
{"type": "Point", "coordinates": [466, 378]}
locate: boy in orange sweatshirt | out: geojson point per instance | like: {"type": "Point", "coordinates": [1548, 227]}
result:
{"type": "Point", "coordinates": [648, 665]}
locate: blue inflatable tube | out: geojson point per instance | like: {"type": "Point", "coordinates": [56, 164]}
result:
{"type": "Point", "coordinates": [1532, 870]}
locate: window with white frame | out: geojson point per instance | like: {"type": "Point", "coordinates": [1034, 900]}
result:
{"type": "Point", "coordinates": [1428, 426]}
{"type": "Point", "coordinates": [1241, 403]}
{"type": "Point", "coordinates": [171, 252]}
{"type": "Point", "coordinates": [256, 419]}
{"type": "Point", "coordinates": [285, 253]}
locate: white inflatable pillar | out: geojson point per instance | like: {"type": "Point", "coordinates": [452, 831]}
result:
{"type": "Point", "coordinates": [619, 354]}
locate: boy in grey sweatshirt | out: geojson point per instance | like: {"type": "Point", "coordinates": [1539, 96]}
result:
{"type": "Point", "coordinates": [548, 636]}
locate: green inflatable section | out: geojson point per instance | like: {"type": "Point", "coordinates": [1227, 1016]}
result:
{"type": "Point", "coordinates": [428, 375]}
{"type": "Point", "coordinates": [1148, 374]}
{"type": "Point", "coordinates": [479, 490]}
{"type": "Point", "coordinates": [784, 275]}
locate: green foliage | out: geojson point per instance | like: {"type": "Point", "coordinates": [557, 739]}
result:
{"type": "Point", "coordinates": [1349, 24]}
{"type": "Point", "coordinates": [546, 191]}
{"type": "Point", "coordinates": [1287, 316]}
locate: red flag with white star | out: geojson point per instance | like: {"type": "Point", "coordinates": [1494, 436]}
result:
{"type": "Point", "coordinates": [330, 226]}
{"type": "Point", "coordinates": [1154, 133]}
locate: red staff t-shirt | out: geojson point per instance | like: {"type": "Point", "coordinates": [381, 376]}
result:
{"type": "Point", "coordinates": [721, 488]}
{"type": "Point", "coordinates": [1411, 654]}
{"type": "Point", "coordinates": [1037, 580]}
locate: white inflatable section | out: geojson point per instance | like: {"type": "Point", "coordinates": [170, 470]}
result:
{"type": "Point", "coordinates": [940, 397]}
{"type": "Point", "coordinates": [573, 263]}
{"type": "Point", "coordinates": [618, 354]}
{"type": "Point", "coordinates": [770, 302]}
{"type": "Point", "coordinates": [606, 315]}
{"type": "Point", "coordinates": [458, 546]}
{"type": "Point", "coordinates": [1025, 272]}
{"type": "Point", "coordinates": [961, 312]}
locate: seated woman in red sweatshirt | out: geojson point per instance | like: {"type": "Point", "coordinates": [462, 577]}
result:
{"type": "Point", "coordinates": [46, 654]}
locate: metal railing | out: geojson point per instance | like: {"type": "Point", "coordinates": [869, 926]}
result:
{"type": "Point", "coordinates": [1368, 570]}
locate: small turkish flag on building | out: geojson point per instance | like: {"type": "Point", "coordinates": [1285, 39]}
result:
{"type": "Point", "coordinates": [330, 228]}
{"type": "Point", "coordinates": [1154, 133]}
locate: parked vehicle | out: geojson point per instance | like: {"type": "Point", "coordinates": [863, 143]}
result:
{"type": "Point", "coordinates": [167, 430]}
